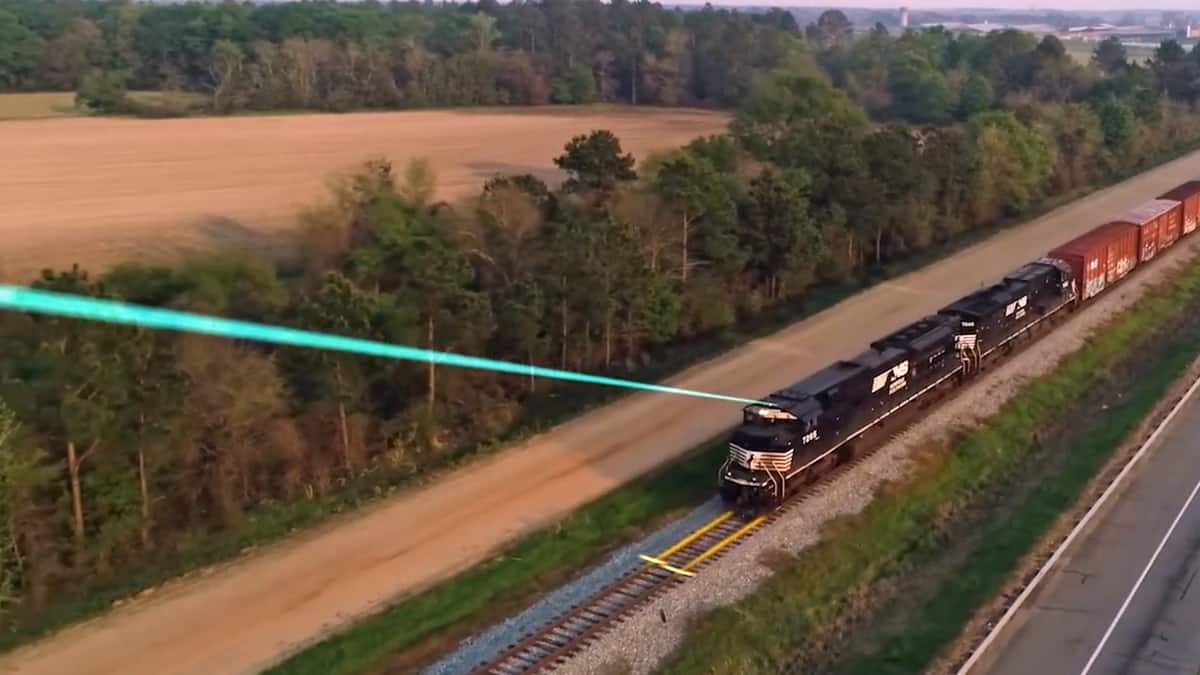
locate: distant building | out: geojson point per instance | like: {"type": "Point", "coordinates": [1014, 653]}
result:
{"type": "Point", "coordinates": [904, 17]}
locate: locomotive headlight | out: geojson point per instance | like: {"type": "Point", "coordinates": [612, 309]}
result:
{"type": "Point", "coordinates": [769, 413]}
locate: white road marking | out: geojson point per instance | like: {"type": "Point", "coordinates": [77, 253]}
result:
{"type": "Point", "coordinates": [1133, 591]}
{"type": "Point", "coordinates": [994, 633]}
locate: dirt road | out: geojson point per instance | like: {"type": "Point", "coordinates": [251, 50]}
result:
{"type": "Point", "coordinates": [98, 191]}
{"type": "Point", "coordinates": [248, 615]}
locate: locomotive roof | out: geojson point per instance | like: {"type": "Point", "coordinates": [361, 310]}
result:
{"type": "Point", "coordinates": [983, 302]}
{"type": "Point", "coordinates": [918, 336]}
{"type": "Point", "coordinates": [798, 398]}
{"type": "Point", "coordinates": [1030, 272]}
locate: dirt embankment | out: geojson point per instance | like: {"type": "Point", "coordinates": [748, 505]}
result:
{"type": "Point", "coordinates": [98, 191]}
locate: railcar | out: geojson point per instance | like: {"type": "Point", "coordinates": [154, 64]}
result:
{"type": "Point", "coordinates": [798, 434]}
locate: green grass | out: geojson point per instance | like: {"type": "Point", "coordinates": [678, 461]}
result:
{"type": "Point", "coordinates": [1082, 51]}
{"type": "Point", "coordinates": [55, 104]}
{"type": "Point", "coordinates": [535, 564]}
{"type": "Point", "coordinates": [37, 105]}
{"type": "Point", "coordinates": [806, 604]}
{"type": "Point", "coordinates": [58, 104]}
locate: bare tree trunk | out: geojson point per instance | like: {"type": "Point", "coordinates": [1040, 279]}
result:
{"type": "Point", "coordinates": [629, 337]}
{"type": "Point", "coordinates": [587, 344]}
{"type": "Point", "coordinates": [634, 82]}
{"type": "Point", "coordinates": [14, 541]}
{"type": "Point", "coordinates": [685, 247]}
{"type": "Point", "coordinates": [608, 337]}
{"type": "Point", "coordinates": [532, 378]}
{"type": "Point", "coordinates": [74, 462]}
{"type": "Point", "coordinates": [145, 485]}
{"type": "Point", "coordinates": [564, 333]}
{"type": "Point", "coordinates": [432, 369]}
{"type": "Point", "coordinates": [343, 427]}
{"type": "Point", "coordinates": [878, 244]}
{"type": "Point", "coordinates": [345, 434]}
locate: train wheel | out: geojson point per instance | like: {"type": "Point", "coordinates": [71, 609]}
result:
{"type": "Point", "coordinates": [731, 493]}
{"type": "Point", "coordinates": [824, 467]}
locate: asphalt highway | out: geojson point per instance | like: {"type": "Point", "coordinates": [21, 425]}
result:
{"type": "Point", "coordinates": [1124, 598]}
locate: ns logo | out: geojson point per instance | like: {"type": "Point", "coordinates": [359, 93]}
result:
{"type": "Point", "coordinates": [896, 375]}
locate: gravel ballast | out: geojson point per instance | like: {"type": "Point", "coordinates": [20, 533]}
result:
{"type": "Point", "coordinates": [480, 648]}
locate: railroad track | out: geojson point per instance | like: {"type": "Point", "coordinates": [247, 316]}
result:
{"type": "Point", "coordinates": [560, 639]}
{"type": "Point", "coordinates": [566, 635]}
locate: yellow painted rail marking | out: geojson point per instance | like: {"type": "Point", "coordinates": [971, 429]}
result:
{"type": "Point", "coordinates": [663, 564]}
{"type": "Point", "coordinates": [695, 535]}
{"type": "Point", "coordinates": [725, 542]}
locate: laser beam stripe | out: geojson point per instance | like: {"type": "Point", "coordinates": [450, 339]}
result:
{"type": "Point", "coordinates": [23, 299]}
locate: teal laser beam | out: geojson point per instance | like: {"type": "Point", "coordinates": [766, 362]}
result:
{"type": "Point", "coordinates": [61, 304]}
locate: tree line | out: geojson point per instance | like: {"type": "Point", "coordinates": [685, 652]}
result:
{"type": "Point", "coordinates": [336, 56]}
{"type": "Point", "coordinates": [123, 450]}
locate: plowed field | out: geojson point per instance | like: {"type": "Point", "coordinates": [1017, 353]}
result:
{"type": "Point", "coordinates": [98, 191]}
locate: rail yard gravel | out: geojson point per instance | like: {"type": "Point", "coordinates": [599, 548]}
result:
{"type": "Point", "coordinates": [643, 639]}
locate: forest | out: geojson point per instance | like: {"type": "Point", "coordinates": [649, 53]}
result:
{"type": "Point", "coordinates": [127, 455]}
{"type": "Point", "coordinates": [339, 56]}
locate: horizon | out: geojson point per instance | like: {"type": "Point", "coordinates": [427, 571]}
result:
{"type": "Point", "coordinates": [1053, 5]}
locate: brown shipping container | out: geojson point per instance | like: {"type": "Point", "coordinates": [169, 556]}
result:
{"type": "Point", "coordinates": [1189, 194]}
{"type": "Point", "coordinates": [1157, 222]}
{"type": "Point", "coordinates": [1101, 257]}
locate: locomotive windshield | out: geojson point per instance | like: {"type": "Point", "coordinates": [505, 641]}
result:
{"type": "Point", "coordinates": [758, 440]}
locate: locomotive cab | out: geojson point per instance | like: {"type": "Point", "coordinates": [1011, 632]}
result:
{"type": "Point", "coordinates": [763, 448]}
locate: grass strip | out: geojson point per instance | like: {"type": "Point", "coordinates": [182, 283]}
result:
{"type": "Point", "coordinates": [810, 599]}
{"type": "Point", "coordinates": [533, 565]}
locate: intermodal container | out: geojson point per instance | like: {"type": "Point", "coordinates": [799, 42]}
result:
{"type": "Point", "coordinates": [1189, 195]}
{"type": "Point", "coordinates": [1158, 223]}
{"type": "Point", "coordinates": [1100, 258]}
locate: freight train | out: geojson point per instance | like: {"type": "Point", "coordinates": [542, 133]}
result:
{"type": "Point", "coordinates": [798, 434]}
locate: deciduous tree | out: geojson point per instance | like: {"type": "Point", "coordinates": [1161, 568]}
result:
{"type": "Point", "coordinates": [694, 188]}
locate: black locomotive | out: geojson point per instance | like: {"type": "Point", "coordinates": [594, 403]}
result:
{"type": "Point", "coordinates": [797, 434]}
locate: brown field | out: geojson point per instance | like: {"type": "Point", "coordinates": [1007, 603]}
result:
{"type": "Point", "coordinates": [98, 191]}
